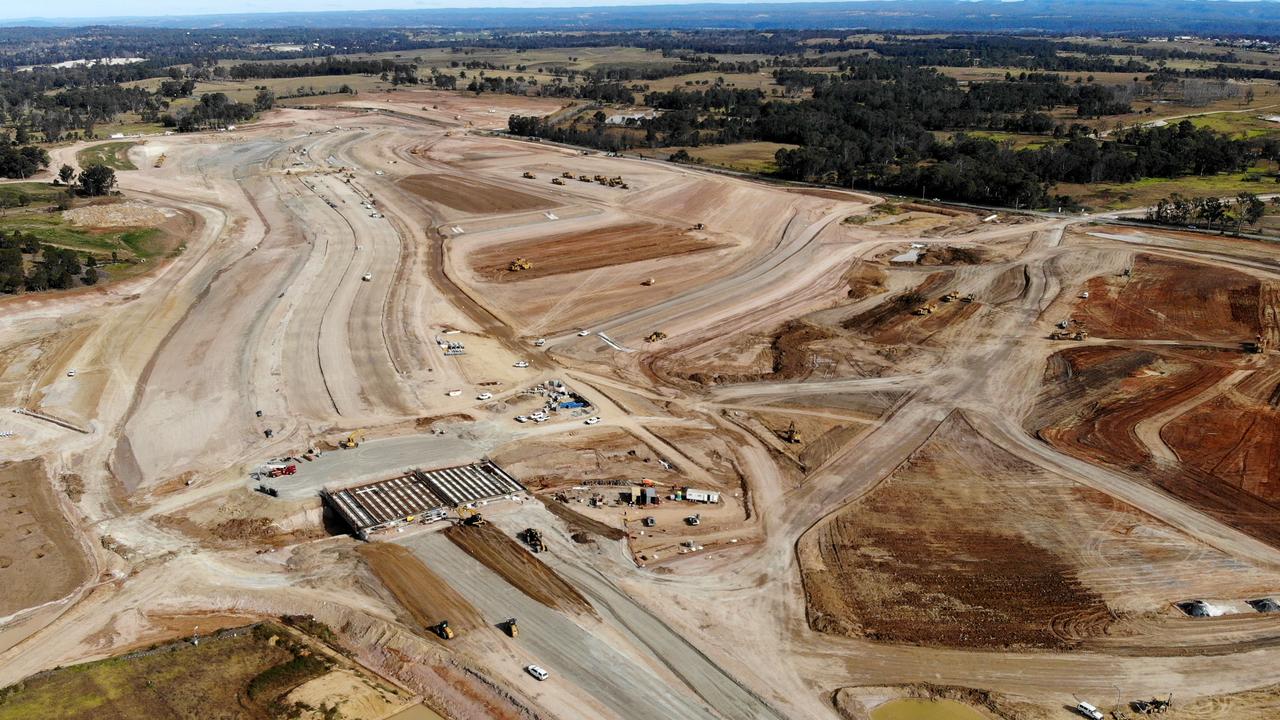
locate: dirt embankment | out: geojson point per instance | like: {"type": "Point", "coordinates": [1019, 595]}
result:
{"type": "Point", "coordinates": [1162, 298]}
{"type": "Point", "coordinates": [587, 250]}
{"type": "Point", "coordinates": [423, 594]}
{"type": "Point", "coordinates": [1095, 398]}
{"type": "Point", "coordinates": [792, 356]}
{"type": "Point", "coordinates": [580, 523]}
{"type": "Point", "coordinates": [1235, 437]}
{"type": "Point", "coordinates": [939, 555]}
{"type": "Point", "coordinates": [40, 559]}
{"type": "Point", "coordinates": [473, 197]}
{"type": "Point", "coordinates": [519, 567]}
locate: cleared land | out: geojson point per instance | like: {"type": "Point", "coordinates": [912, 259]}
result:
{"type": "Point", "coordinates": [587, 250]}
{"type": "Point", "coordinates": [114, 155]}
{"type": "Point", "coordinates": [40, 557]}
{"type": "Point", "coordinates": [471, 196]}
{"type": "Point", "coordinates": [424, 595]}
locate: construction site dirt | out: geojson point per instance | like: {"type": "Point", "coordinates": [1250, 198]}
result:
{"type": "Point", "coordinates": [772, 443]}
{"type": "Point", "coordinates": [518, 566]}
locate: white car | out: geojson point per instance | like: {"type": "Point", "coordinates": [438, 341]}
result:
{"type": "Point", "coordinates": [537, 672]}
{"type": "Point", "coordinates": [71, 373]}
{"type": "Point", "coordinates": [379, 172]}
{"type": "Point", "coordinates": [1086, 710]}
{"type": "Point", "coordinates": [521, 364]}
{"type": "Point", "coordinates": [539, 342]}
{"type": "Point", "coordinates": [522, 418]}
{"type": "Point", "coordinates": [583, 333]}
{"type": "Point", "coordinates": [592, 420]}
{"type": "Point", "coordinates": [367, 277]}
{"type": "Point", "coordinates": [485, 396]}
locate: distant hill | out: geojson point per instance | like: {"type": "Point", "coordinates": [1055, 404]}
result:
{"type": "Point", "coordinates": [1145, 17]}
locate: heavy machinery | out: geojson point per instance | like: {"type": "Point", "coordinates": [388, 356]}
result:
{"type": "Point", "coordinates": [443, 630]}
{"type": "Point", "coordinates": [967, 298]}
{"type": "Point", "coordinates": [655, 336]}
{"type": "Point", "coordinates": [532, 538]}
{"type": "Point", "coordinates": [557, 181]}
{"type": "Point", "coordinates": [529, 176]}
{"type": "Point", "coordinates": [583, 178]}
{"type": "Point", "coordinates": [698, 226]}
{"type": "Point", "coordinates": [1154, 706]}
{"type": "Point", "coordinates": [471, 517]}
{"type": "Point", "coordinates": [282, 471]}
{"type": "Point", "coordinates": [510, 627]}
{"type": "Point", "coordinates": [791, 435]}
{"type": "Point", "coordinates": [352, 441]}
{"type": "Point", "coordinates": [519, 264]}
{"type": "Point", "coordinates": [951, 296]}
{"type": "Point", "coordinates": [924, 310]}
{"type": "Point", "coordinates": [648, 282]}
{"type": "Point", "coordinates": [566, 175]}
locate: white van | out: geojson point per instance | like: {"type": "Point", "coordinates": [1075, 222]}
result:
{"type": "Point", "coordinates": [537, 672]}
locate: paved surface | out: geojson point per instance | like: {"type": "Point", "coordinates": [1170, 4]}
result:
{"type": "Point", "coordinates": [558, 644]}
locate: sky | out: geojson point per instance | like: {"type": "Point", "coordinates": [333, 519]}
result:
{"type": "Point", "coordinates": [16, 9]}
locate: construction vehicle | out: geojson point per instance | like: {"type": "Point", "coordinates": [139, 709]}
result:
{"type": "Point", "coordinates": [655, 336]}
{"type": "Point", "coordinates": [694, 520]}
{"type": "Point", "coordinates": [519, 264]}
{"type": "Point", "coordinates": [367, 277]}
{"type": "Point", "coordinates": [557, 181]}
{"type": "Point", "coordinates": [352, 440]}
{"type": "Point", "coordinates": [276, 472]}
{"type": "Point", "coordinates": [532, 538]}
{"type": "Point", "coordinates": [698, 226]}
{"type": "Point", "coordinates": [650, 521]}
{"type": "Point", "coordinates": [951, 296]}
{"type": "Point", "coordinates": [648, 282]}
{"type": "Point", "coordinates": [566, 175]}
{"type": "Point", "coordinates": [967, 298]}
{"type": "Point", "coordinates": [529, 176]}
{"type": "Point", "coordinates": [583, 178]}
{"type": "Point", "coordinates": [262, 488]}
{"type": "Point", "coordinates": [791, 435]}
{"type": "Point", "coordinates": [1154, 706]}
{"type": "Point", "coordinates": [925, 310]}
{"type": "Point", "coordinates": [510, 627]}
{"type": "Point", "coordinates": [471, 517]}
{"type": "Point", "coordinates": [1252, 346]}
{"type": "Point", "coordinates": [443, 630]}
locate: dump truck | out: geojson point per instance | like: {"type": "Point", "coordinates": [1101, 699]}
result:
{"type": "Point", "coordinates": [519, 264]}
{"type": "Point", "coordinates": [655, 336]}
{"type": "Point", "coordinates": [443, 630]}
{"type": "Point", "coordinates": [967, 298]}
{"type": "Point", "coordinates": [352, 440]}
{"type": "Point", "coordinates": [951, 296]}
{"type": "Point", "coordinates": [583, 178]}
{"type": "Point", "coordinates": [511, 628]}
{"type": "Point", "coordinates": [566, 175]}
{"type": "Point", "coordinates": [925, 309]}
{"type": "Point", "coordinates": [648, 282]}
{"type": "Point", "coordinates": [557, 181]}
{"type": "Point", "coordinates": [1252, 347]}
{"type": "Point", "coordinates": [529, 176]}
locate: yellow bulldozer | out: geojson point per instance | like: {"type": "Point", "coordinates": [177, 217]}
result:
{"type": "Point", "coordinates": [352, 441]}
{"type": "Point", "coordinates": [557, 181]}
{"type": "Point", "coordinates": [529, 176]}
{"type": "Point", "coordinates": [655, 336]}
{"type": "Point", "coordinates": [519, 264]}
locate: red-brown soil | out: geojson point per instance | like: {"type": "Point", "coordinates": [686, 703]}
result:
{"type": "Point", "coordinates": [518, 566]}
{"type": "Point", "coordinates": [472, 196]}
{"type": "Point", "coordinates": [1095, 397]}
{"type": "Point", "coordinates": [945, 552]}
{"type": "Point", "coordinates": [40, 559]}
{"type": "Point", "coordinates": [587, 250]}
{"type": "Point", "coordinates": [423, 594]}
{"type": "Point", "coordinates": [1174, 300]}
{"type": "Point", "coordinates": [1235, 437]}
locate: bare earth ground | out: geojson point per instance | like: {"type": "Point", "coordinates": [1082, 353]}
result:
{"type": "Point", "coordinates": [964, 502]}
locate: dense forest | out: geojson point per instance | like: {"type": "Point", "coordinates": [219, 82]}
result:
{"type": "Point", "coordinates": [876, 126]}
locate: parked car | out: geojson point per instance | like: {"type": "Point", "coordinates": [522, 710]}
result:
{"type": "Point", "coordinates": [71, 373]}
{"type": "Point", "coordinates": [521, 364]}
{"type": "Point", "coordinates": [484, 396]}
{"type": "Point", "coordinates": [583, 333]}
{"type": "Point", "coordinates": [522, 418]}
{"type": "Point", "coordinates": [592, 420]}
{"type": "Point", "coordinates": [537, 672]}
{"type": "Point", "coordinates": [539, 342]}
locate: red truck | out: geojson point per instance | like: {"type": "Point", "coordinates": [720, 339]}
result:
{"type": "Point", "coordinates": [286, 470]}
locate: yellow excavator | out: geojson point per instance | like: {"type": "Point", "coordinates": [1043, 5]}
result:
{"type": "Point", "coordinates": [470, 516]}
{"type": "Point", "coordinates": [352, 441]}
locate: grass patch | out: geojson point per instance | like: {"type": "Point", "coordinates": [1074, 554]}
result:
{"type": "Point", "coordinates": [1143, 193]}
{"type": "Point", "coordinates": [37, 193]}
{"type": "Point", "coordinates": [114, 155]}
{"type": "Point", "coordinates": [186, 682]}
{"type": "Point", "coordinates": [51, 229]}
{"type": "Point", "coordinates": [751, 157]}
